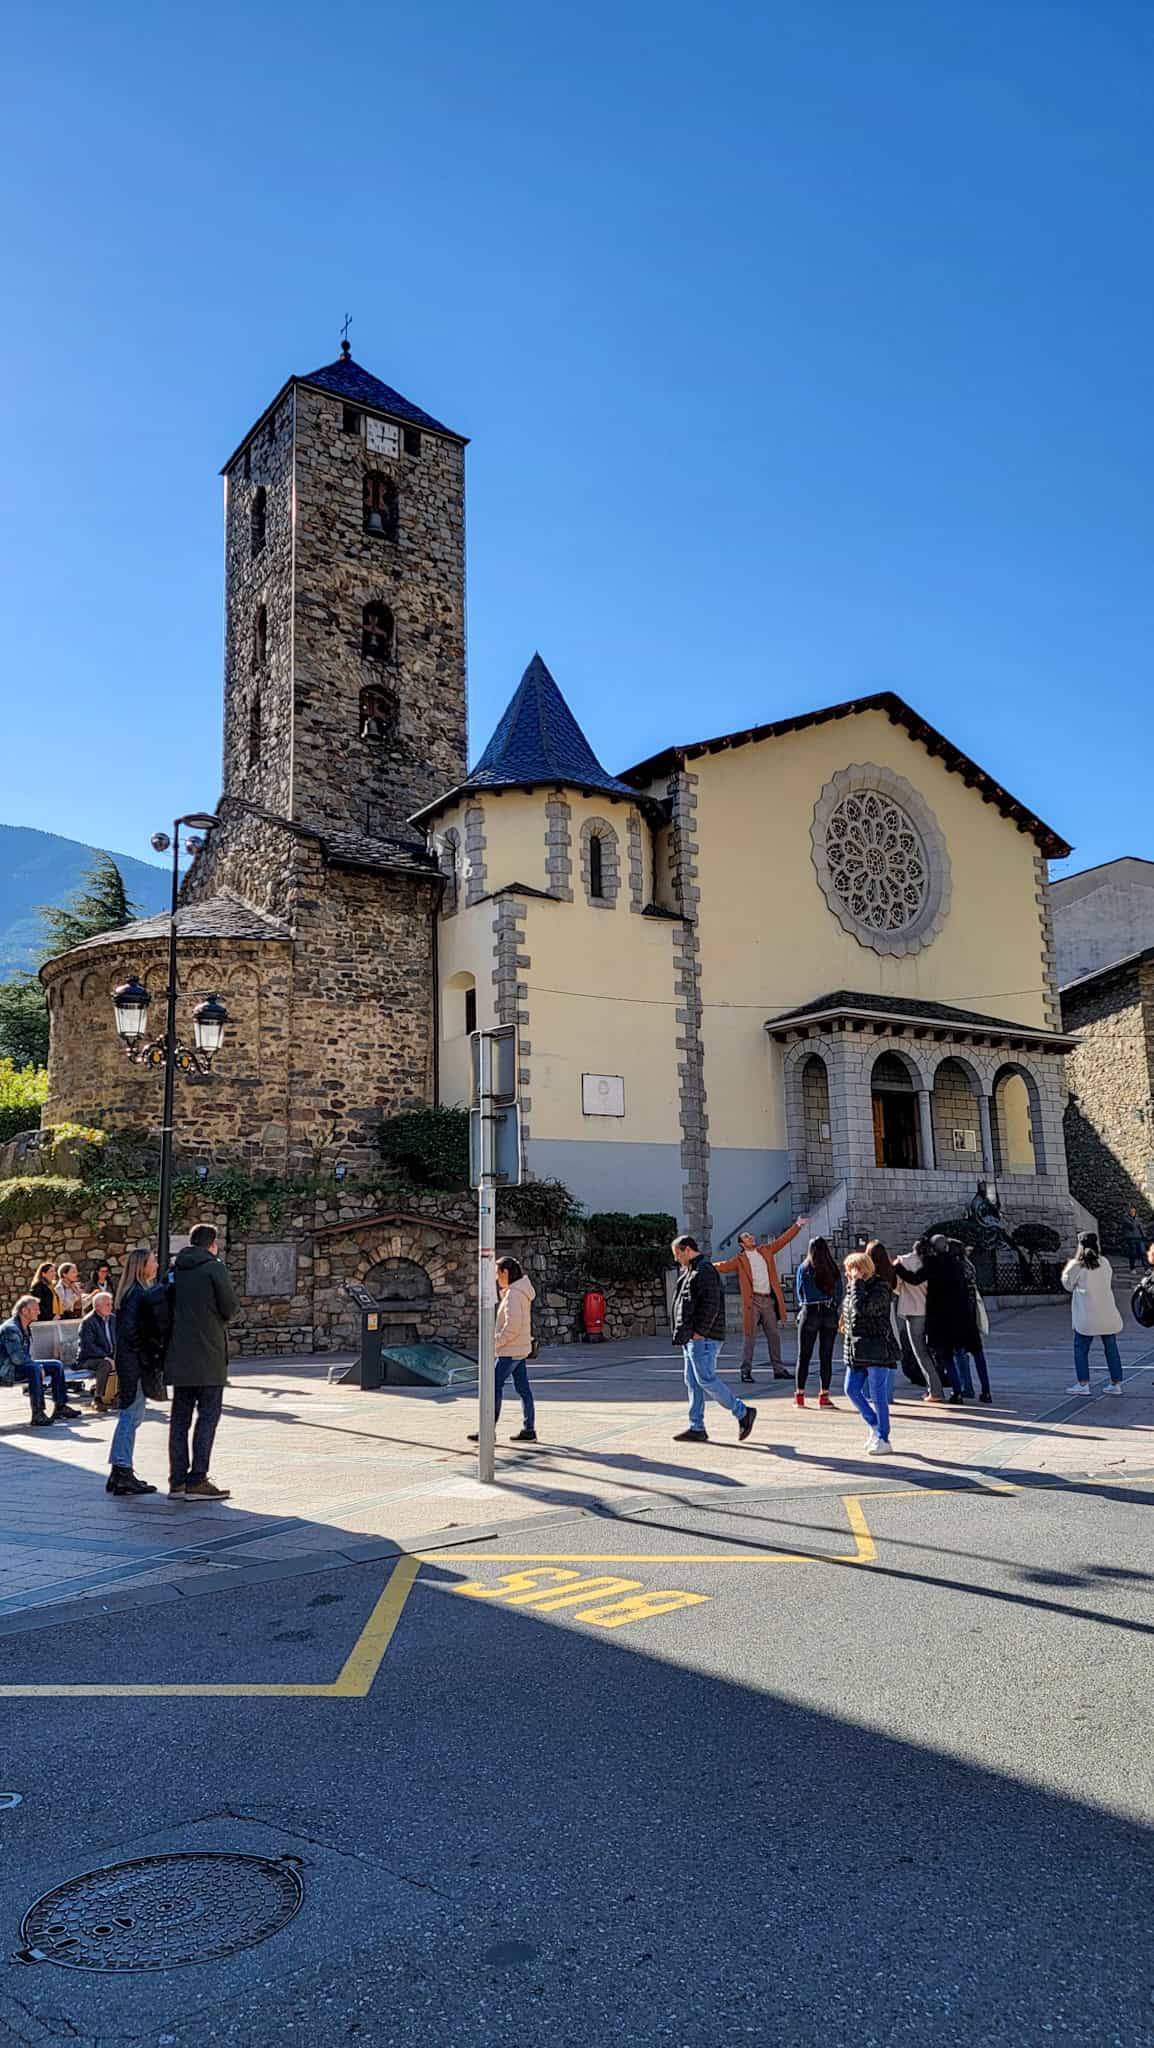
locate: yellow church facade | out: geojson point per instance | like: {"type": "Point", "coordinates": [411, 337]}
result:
{"type": "Point", "coordinates": [803, 967]}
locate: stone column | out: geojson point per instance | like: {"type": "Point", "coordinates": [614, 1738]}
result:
{"type": "Point", "coordinates": [987, 1137]}
{"type": "Point", "coordinates": [926, 1129]}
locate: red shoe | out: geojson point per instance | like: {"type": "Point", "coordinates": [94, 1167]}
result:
{"type": "Point", "coordinates": [799, 1399]}
{"type": "Point", "coordinates": [823, 1400]}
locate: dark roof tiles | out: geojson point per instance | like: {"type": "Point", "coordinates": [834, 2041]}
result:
{"type": "Point", "coordinates": [215, 917]}
{"type": "Point", "coordinates": [537, 742]}
{"type": "Point", "coordinates": [850, 1002]}
{"type": "Point", "coordinates": [347, 380]}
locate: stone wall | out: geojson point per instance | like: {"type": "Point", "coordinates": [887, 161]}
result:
{"type": "Point", "coordinates": [252, 580]}
{"type": "Point", "coordinates": [237, 1111]}
{"type": "Point", "coordinates": [338, 777]}
{"type": "Point", "coordinates": [1110, 1116]}
{"type": "Point", "coordinates": [954, 1107]}
{"type": "Point", "coordinates": [291, 1271]}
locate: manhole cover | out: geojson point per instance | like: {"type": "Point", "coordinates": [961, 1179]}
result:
{"type": "Point", "coordinates": [161, 1911]}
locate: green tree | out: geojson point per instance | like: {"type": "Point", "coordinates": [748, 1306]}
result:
{"type": "Point", "coordinates": [100, 906]}
{"type": "Point", "coordinates": [22, 1091]}
{"type": "Point", "coordinates": [23, 1022]}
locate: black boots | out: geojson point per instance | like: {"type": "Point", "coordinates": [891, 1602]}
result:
{"type": "Point", "coordinates": [123, 1480]}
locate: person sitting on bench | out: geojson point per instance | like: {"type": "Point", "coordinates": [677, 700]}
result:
{"type": "Point", "coordinates": [17, 1363]}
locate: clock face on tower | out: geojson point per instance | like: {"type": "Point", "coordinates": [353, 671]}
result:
{"type": "Point", "coordinates": [382, 437]}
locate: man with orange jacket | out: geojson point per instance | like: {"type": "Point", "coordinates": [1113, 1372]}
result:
{"type": "Point", "coordinates": [762, 1300]}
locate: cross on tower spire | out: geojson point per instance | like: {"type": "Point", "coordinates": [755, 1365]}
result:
{"type": "Point", "coordinates": [346, 351]}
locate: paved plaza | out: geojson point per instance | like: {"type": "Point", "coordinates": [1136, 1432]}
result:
{"type": "Point", "coordinates": [322, 1473]}
{"type": "Point", "coordinates": [663, 1745]}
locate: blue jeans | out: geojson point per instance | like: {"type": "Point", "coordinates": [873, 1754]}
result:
{"type": "Point", "coordinates": [701, 1379]}
{"type": "Point", "coordinates": [1082, 1356]}
{"type": "Point", "coordinates": [874, 1407]}
{"type": "Point", "coordinates": [35, 1373]}
{"type": "Point", "coordinates": [516, 1370]}
{"type": "Point", "coordinates": [127, 1424]}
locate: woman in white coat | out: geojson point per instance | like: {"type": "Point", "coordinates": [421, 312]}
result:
{"type": "Point", "coordinates": [1095, 1313]}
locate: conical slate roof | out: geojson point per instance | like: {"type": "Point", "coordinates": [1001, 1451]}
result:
{"type": "Point", "coordinates": [349, 381]}
{"type": "Point", "coordinates": [539, 740]}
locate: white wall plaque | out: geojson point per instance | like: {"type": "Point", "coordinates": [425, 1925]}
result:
{"type": "Point", "coordinates": [602, 1095]}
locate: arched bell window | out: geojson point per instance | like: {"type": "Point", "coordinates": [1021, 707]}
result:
{"type": "Point", "coordinates": [378, 633]}
{"type": "Point", "coordinates": [378, 715]}
{"type": "Point", "coordinates": [380, 506]}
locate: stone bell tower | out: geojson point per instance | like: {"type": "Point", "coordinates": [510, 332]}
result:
{"type": "Point", "coordinates": [345, 595]}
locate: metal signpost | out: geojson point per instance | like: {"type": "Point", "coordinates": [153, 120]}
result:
{"type": "Point", "coordinates": [494, 1160]}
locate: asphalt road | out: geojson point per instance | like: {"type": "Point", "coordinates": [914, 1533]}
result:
{"type": "Point", "coordinates": [862, 1769]}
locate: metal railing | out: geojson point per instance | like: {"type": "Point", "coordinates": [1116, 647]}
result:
{"type": "Point", "coordinates": [731, 1236]}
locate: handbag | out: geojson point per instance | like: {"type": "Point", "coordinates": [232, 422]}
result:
{"type": "Point", "coordinates": [983, 1318]}
{"type": "Point", "coordinates": [152, 1380]}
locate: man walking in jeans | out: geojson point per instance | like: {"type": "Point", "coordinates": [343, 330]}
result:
{"type": "Point", "coordinates": [699, 1328]}
{"type": "Point", "coordinates": [196, 1365]}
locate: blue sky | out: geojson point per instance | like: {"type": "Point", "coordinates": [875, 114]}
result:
{"type": "Point", "coordinates": [806, 349]}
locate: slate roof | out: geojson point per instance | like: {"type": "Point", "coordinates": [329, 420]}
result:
{"type": "Point", "coordinates": [352, 382]}
{"type": "Point", "coordinates": [899, 713]}
{"type": "Point", "coordinates": [367, 850]}
{"type": "Point", "coordinates": [537, 741]}
{"type": "Point", "coordinates": [348, 380]}
{"type": "Point", "coordinates": [903, 1009]}
{"type": "Point", "coordinates": [214, 917]}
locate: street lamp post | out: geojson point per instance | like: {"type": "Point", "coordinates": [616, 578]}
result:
{"type": "Point", "coordinates": [131, 1001]}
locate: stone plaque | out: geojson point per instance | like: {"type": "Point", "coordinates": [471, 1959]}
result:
{"type": "Point", "coordinates": [271, 1269]}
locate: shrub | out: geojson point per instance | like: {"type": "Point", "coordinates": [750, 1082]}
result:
{"type": "Point", "coordinates": [429, 1147]}
{"type": "Point", "coordinates": [23, 1091]}
{"type": "Point", "coordinates": [627, 1261]}
{"type": "Point", "coordinates": [539, 1205]}
{"type": "Point", "coordinates": [614, 1227]}
{"type": "Point", "coordinates": [27, 1199]}
{"type": "Point", "coordinates": [1037, 1237]}
{"type": "Point", "coordinates": [961, 1226]}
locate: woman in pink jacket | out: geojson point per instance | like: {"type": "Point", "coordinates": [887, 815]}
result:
{"type": "Point", "coordinates": [514, 1342]}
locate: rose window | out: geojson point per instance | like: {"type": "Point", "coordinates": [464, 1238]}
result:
{"type": "Point", "coordinates": [877, 862]}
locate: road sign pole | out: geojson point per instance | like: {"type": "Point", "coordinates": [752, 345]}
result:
{"type": "Point", "coordinates": [486, 1271]}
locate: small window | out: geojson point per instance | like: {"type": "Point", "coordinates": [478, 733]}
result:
{"type": "Point", "coordinates": [260, 637]}
{"type": "Point", "coordinates": [412, 437]}
{"type": "Point", "coordinates": [596, 866]}
{"type": "Point", "coordinates": [470, 1010]}
{"type": "Point", "coordinates": [378, 715]}
{"type": "Point", "coordinates": [380, 505]}
{"type": "Point", "coordinates": [254, 733]}
{"type": "Point", "coordinates": [377, 633]}
{"type": "Point", "coordinates": [259, 518]}
{"type": "Point", "coordinates": [351, 420]}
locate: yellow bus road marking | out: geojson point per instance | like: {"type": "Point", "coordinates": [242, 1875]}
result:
{"type": "Point", "coordinates": [353, 1681]}
{"type": "Point", "coordinates": [603, 1601]}
{"type": "Point", "coordinates": [864, 1551]}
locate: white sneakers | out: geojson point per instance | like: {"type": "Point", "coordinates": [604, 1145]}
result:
{"type": "Point", "coordinates": [878, 1446]}
{"type": "Point", "coordinates": [1079, 1387]}
{"type": "Point", "coordinates": [1115, 1387]}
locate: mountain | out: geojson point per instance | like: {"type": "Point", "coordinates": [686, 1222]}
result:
{"type": "Point", "coordinates": [40, 867]}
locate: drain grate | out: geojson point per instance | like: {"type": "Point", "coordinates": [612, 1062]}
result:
{"type": "Point", "coordinates": [159, 1912]}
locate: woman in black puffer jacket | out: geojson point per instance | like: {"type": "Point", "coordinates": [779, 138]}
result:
{"type": "Point", "coordinates": [871, 1347]}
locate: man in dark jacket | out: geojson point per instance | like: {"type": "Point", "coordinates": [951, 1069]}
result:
{"type": "Point", "coordinates": [96, 1344]}
{"type": "Point", "coordinates": [699, 1328]}
{"type": "Point", "coordinates": [196, 1363]}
